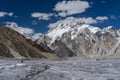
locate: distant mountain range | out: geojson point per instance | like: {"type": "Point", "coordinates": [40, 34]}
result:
{"type": "Point", "coordinates": [65, 39]}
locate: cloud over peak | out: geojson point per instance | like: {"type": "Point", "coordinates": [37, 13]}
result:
{"type": "Point", "coordinates": [42, 16]}
{"type": "Point", "coordinates": [73, 20]}
{"type": "Point", "coordinates": [66, 8]}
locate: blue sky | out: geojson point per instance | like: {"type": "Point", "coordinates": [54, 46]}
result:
{"type": "Point", "coordinates": [38, 14]}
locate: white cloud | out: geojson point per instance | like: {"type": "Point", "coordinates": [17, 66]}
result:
{"type": "Point", "coordinates": [42, 16]}
{"type": "Point", "coordinates": [27, 32]}
{"type": "Point", "coordinates": [10, 14]}
{"type": "Point", "coordinates": [73, 20]}
{"type": "Point", "coordinates": [66, 8]}
{"type": "Point", "coordinates": [19, 29]}
{"type": "Point", "coordinates": [2, 14]}
{"type": "Point", "coordinates": [101, 18]}
{"type": "Point", "coordinates": [88, 20]}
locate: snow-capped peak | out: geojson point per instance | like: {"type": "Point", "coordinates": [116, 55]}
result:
{"type": "Point", "coordinates": [68, 25]}
{"type": "Point", "coordinates": [108, 28]}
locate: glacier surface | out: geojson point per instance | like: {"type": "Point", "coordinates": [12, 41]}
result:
{"type": "Point", "coordinates": [60, 70]}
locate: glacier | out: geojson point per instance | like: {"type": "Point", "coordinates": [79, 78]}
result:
{"type": "Point", "coordinates": [60, 69]}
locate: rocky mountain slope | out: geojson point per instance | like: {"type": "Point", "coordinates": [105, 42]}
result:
{"type": "Point", "coordinates": [69, 38]}
{"type": "Point", "coordinates": [15, 45]}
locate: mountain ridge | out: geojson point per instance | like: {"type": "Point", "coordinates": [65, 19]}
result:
{"type": "Point", "coordinates": [82, 39]}
{"type": "Point", "coordinates": [15, 45]}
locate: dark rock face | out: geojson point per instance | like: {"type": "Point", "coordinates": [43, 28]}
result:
{"type": "Point", "coordinates": [44, 47]}
{"type": "Point", "coordinates": [62, 50]}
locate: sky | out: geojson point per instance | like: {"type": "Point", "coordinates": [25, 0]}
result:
{"type": "Point", "coordinates": [34, 16]}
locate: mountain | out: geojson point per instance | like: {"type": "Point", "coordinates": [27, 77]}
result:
{"type": "Point", "coordinates": [70, 38]}
{"type": "Point", "coordinates": [66, 38]}
{"type": "Point", "coordinates": [15, 45]}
